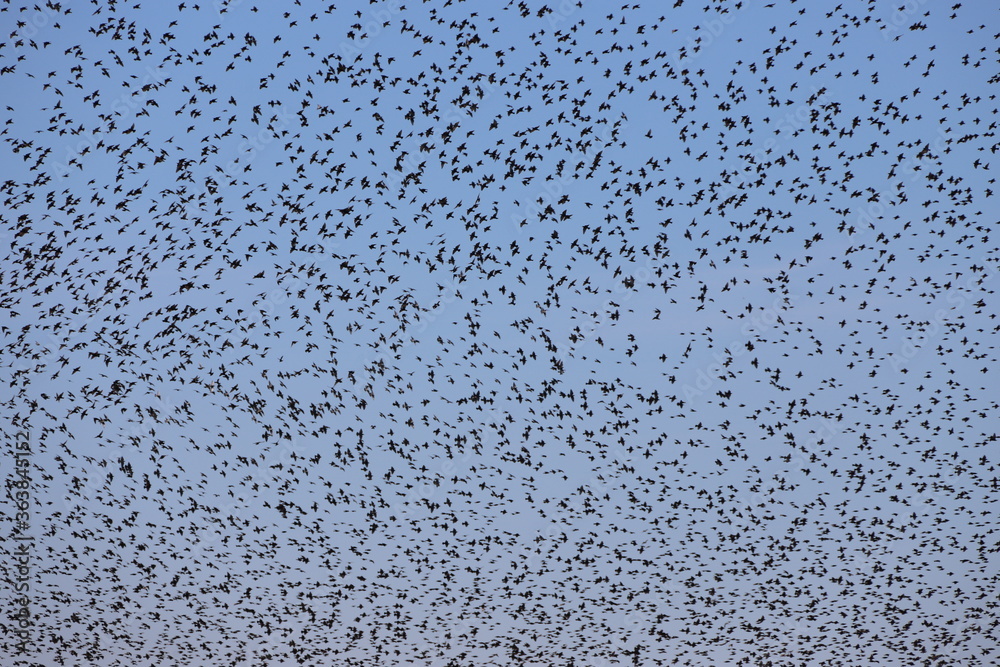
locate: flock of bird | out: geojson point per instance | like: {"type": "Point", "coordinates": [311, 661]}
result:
{"type": "Point", "coordinates": [454, 333]}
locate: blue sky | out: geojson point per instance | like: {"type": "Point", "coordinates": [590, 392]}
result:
{"type": "Point", "coordinates": [372, 333]}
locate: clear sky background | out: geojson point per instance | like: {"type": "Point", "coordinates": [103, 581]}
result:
{"type": "Point", "coordinates": [469, 333]}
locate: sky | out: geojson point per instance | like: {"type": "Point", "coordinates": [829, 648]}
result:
{"type": "Point", "coordinates": [456, 333]}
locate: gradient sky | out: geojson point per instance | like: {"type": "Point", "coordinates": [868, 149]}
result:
{"type": "Point", "coordinates": [454, 333]}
